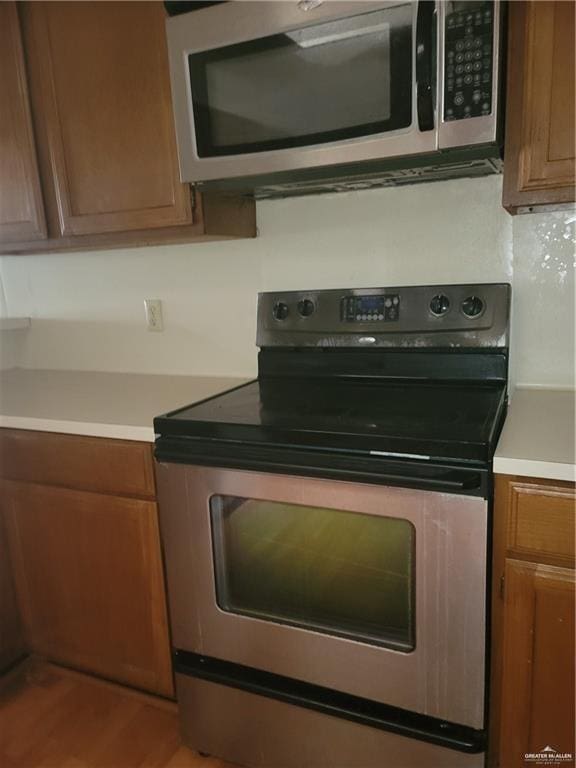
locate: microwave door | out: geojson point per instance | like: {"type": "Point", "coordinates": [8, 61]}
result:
{"type": "Point", "coordinates": [353, 86]}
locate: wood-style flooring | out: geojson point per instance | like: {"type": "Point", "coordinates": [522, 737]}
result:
{"type": "Point", "coordinates": [54, 718]}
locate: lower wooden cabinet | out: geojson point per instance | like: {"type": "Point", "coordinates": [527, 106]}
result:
{"type": "Point", "coordinates": [11, 639]}
{"type": "Point", "coordinates": [87, 565]}
{"type": "Point", "coordinates": [533, 621]}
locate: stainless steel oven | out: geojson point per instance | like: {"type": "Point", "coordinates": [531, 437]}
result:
{"type": "Point", "coordinates": [326, 531]}
{"type": "Point", "coordinates": [291, 95]}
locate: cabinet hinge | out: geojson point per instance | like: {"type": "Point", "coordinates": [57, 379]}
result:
{"type": "Point", "coordinates": [192, 198]}
{"type": "Point", "coordinates": [502, 587]}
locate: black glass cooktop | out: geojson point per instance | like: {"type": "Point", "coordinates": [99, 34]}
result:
{"type": "Point", "coordinates": [407, 419]}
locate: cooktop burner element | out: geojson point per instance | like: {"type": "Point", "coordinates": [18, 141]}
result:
{"type": "Point", "coordinates": [415, 373]}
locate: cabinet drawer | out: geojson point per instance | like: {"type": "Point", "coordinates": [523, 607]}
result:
{"type": "Point", "coordinates": [541, 522]}
{"type": "Point", "coordinates": [119, 467]}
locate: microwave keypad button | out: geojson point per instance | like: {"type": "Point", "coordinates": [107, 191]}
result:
{"type": "Point", "coordinates": [468, 63]}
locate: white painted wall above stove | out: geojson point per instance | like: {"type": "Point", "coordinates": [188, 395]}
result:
{"type": "Point", "coordinates": [87, 309]}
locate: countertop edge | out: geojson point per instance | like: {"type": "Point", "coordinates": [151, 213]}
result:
{"type": "Point", "coordinates": [115, 431]}
{"type": "Point", "coordinates": [547, 470]}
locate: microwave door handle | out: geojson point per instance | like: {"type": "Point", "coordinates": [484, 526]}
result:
{"type": "Point", "coordinates": [425, 39]}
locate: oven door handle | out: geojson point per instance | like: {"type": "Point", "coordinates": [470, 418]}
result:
{"type": "Point", "coordinates": [425, 49]}
{"type": "Point", "coordinates": [451, 480]}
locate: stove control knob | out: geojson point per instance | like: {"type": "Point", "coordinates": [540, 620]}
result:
{"type": "Point", "coordinates": [280, 311]}
{"type": "Point", "coordinates": [472, 306]}
{"type": "Point", "coordinates": [439, 305]}
{"type": "Point", "coordinates": [306, 307]}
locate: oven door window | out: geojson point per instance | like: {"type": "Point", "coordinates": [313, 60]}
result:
{"type": "Point", "coordinates": [341, 573]}
{"type": "Point", "coordinates": [329, 82]}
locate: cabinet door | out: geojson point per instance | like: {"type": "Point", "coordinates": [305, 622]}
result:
{"type": "Point", "coordinates": [103, 106]}
{"type": "Point", "coordinates": [21, 210]}
{"type": "Point", "coordinates": [11, 640]}
{"type": "Point", "coordinates": [90, 583]}
{"type": "Point", "coordinates": [540, 166]}
{"type": "Point", "coordinates": [538, 662]}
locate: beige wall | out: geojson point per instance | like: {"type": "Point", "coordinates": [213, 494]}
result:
{"type": "Point", "coordinates": [88, 313]}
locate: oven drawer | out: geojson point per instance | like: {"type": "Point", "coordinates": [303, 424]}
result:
{"type": "Point", "coordinates": [261, 732]}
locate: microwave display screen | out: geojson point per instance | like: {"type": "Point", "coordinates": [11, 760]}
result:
{"type": "Point", "coordinates": [327, 82]}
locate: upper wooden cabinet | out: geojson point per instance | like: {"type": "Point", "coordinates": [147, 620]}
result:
{"type": "Point", "coordinates": [532, 700]}
{"type": "Point", "coordinates": [21, 209]}
{"type": "Point", "coordinates": [539, 160]}
{"type": "Point", "coordinates": [102, 112]}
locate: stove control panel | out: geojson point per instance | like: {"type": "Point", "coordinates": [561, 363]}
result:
{"type": "Point", "coordinates": [410, 316]}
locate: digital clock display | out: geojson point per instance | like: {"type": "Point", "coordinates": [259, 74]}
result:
{"type": "Point", "coordinates": [362, 309]}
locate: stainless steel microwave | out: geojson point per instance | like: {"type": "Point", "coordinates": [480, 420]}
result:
{"type": "Point", "coordinates": [283, 97]}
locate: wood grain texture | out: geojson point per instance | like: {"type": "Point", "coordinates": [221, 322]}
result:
{"type": "Point", "coordinates": [90, 584]}
{"type": "Point", "coordinates": [59, 719]}
{"type": "Point", "coordinates": [102, 105]}
{"type": "Point", "coordinates": [11, 638]}
{"type": "Point", "coordinates": [21, 207]}
{"type": "Point", "coordinates": [541, 522]}
{"type": "Point", "coordinates": [530, 600]}
{"type": "Point", "coordinates": [537, 706]}
{"type": "Point", "coordinates": [215, 218]}
{"type": "Point", "coordinates": [540, 151]}
{"type": "Point", "coordinates": [102, 465]}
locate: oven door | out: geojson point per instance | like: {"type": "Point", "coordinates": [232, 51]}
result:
{"type": "Point", "coordinates": [373, 591]}
{"type": "Point", "coordinates": [260, 88]}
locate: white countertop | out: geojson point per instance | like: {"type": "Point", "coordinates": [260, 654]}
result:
{"type": "Point", "coordinates": [538, 439]}
{"type": "Point", "coordinates": [118, 405]}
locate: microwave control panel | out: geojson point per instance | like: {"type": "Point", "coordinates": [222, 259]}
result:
{"type": "Point", "coordinates": [468, 59]}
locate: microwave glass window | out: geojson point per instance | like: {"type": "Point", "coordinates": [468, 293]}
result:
{"type": "Point", "coordinates": [337, 572]}
{"type": "Point", "coordinates": [340, 79]}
